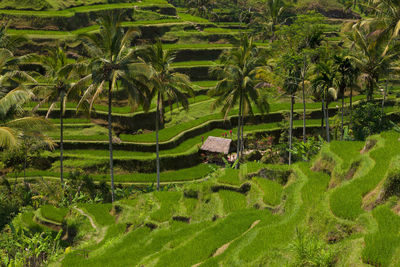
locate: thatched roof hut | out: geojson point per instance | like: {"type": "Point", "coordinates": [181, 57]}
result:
{"type": "Point", "coordinates": [217, 145]}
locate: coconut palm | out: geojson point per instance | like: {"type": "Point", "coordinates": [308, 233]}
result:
{"type": "Point", "coordinates": [238, 84]}
{"type": "Point", "coordinates": [58, 82]}
{"type": "Point", "coordinates": [201, 8]}
{"type": "Point", "coordinates": [14, 126]}
{"type": "Point", "coordinates": [291, 66]}
{"type": "Point", "coordinates": [9, 42]}
{"type": "Point", "coordinates": [323, 87]}
{"type": "Point", "coordinates": [346, 75]}
{"type": "Point", "coordinates": [111, 56]}
{"type": "Point", "coordinates": [372, 54]}
{"type": "Point", "coordinates": [387, 16]}
{"type": "Point", "coordinates": [164, 85]}
{"type": "Point", "coordinates": [271, 14]}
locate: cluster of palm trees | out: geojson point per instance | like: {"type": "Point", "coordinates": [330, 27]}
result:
{"type": "Point", "coordinates": [112, 59]}
{"type": "Point", "coordinates": [146, 74]}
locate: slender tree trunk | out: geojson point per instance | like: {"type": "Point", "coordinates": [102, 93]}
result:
{"type": "Point", "coordinates": [322, 116]}
{"type": "Point", "coordinates": [110, 142]}
{"type": "Point", "coordinates": [342, 129]}
{"type": "Point", "coordinates": [25, 159]}
{"type": "Point", "coordinates": [157, 145]}
{"type": "Point", "coordinates": [62, 140]}
{"type": "Point", "coordinates": [238, 132]}
{"type": "Point", "coordinates": [370, 91]}
{"type": "Point", "coordinates": [291, 128]}
{"type": "Point", "coordinates": [304, 102]}
{"type": "Point", "coordinates": [351, 107]}
{"type": "Point", "coordinates": [384, 99]}
{"type": "Point", "coordinates": [328, 138]}
{"type": "Point", "coordinates": [242, 134]}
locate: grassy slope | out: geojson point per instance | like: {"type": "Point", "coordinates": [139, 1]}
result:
{"type": "Point", "coordinates": [305, 202]}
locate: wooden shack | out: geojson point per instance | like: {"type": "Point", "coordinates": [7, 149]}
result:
{"type": "Point", "coordinates": [215, 148]}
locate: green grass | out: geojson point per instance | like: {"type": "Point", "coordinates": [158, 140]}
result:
{"type": "Point", "coordinates": [232, 201]}
{"type": "Point", "coordinates": [168, 201]}
{"type": "Point", "coordinates": [380, 246]}
{"type": "Point", "coordinates": [302, 205]}
{"type": "Point", "coordinates": [345, 201]}
{"type": "Point", "coordinates": [230, 177]}
{"type": "Point", "coordinates": [188, 174]}
{"type": "Point", "coordinates": [86, 6]}
{"type": "Point", "coordinates": [271, 189]}
{"type": "Point", "coordinates": [52, 213]}
{"type": "Point", "coordinates": [100, 212]}
{"type": "Point", "coordinates": [347, 151]}
{"type": "Point", "coordinates": [205, 83]}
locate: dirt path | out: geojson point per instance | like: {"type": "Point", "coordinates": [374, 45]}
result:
{"type": "Point", "coordinates": [89, 217]}
{"type": "Point", "coordinates": [223, 248]}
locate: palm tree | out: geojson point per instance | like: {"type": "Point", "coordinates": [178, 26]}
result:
{"type": "Point", "coordinates": [293, 75]}
{"type": "Point", "coordinates": [323, 86]}
{"type": "Point", "coordinates": [10, 42]}
{"type": "Point", "coordinates": [58, 83]}
{"type": "Point", "coordinates": [111, 56]}
{"type": "Point", "coordinates": [346, 77]}
{"type": "Point", "coordinates": [238, 84]}
{"type": "Point", "coordinates": [13, 125]}
{"type": "Point", "coordinates": [372, 54]}
{"type": "Point", "coordinates": [388, 16]}
{"type": "Point", "coordinates": [272, 14]}
{"type": "Point", "coordinates": [163, 85]}
{"type": "Point", "coordinates": [201, 8]}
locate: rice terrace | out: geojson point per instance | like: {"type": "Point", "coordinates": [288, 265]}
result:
{"type": "Point", "coordinates": [199, 133]}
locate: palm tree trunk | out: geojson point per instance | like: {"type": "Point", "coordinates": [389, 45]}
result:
{"type": "Point", "coordinates": [238, 132]}
{"type": "Point", "coordinates": [25, 159]}
{"type": "Point", "coordinates": [110, 140]}
{"type": "Point", "coordinates": [62, 140]}
{"type": "Point", "coordinates": [322, 116]}
{"type": "Point", "coordinates": [384, 98]}
{"type": "Point", "coordinates": [242, 134]}
{"type": "Point", "coordinates": [342, 129]}
{"type": "Point", "coordinates": [328, 138]}
{"type": "Point", "coordinates": [304, 102]}
{"type": "Point", "coordinates": [157, 145]}
{"type": "Point", "coordinates": [291, 128]}
{"type": "Point", "coordinates": [351, 106]}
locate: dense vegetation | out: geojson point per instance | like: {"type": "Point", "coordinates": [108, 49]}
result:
{"type": "Point", "coordinates": [104, 106]}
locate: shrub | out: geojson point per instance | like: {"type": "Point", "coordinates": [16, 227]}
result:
{"type": "Point", "coordinates": [305, 151]}
{"type": "Point", "coordinates": [253, 156]}
{"type": "Point", "coordinates": [367, 119]}
{"type": "Point", "coordinates": [311, 251]}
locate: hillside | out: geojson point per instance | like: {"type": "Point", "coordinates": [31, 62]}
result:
{"type": "Point", "coordinates": [326, 211]}
{"type": "Point", "coordinates": [305, 92]}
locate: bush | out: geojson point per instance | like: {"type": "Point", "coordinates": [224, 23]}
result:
{"type": "Point", "coordinates": [253, 156]}
{"type": "Point", "coordinates": [311, 251]}
{"type": "Point", "coordinates": [367, 119]}
{"type": "Point", "coordinates": [305, 151]}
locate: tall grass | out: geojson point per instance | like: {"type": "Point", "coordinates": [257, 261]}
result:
{"type": "Point", "coordinates": [232, 201]}
{"type": "Point", "coordinates": [230, 177]}
{"type": "Point", "coordinates": [345, 201]}
{"type": "Point", "coordinates": [167, 201]}
{"type": "Point", "coordinates": [271, 189]}
{"type": "Point", "coordinates": [100, 212]}
{"type": "Point", "coordinates": [52, 213]}
{"type": "Point", "coordinates": [380, 246]}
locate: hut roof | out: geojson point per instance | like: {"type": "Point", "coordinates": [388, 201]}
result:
{"type": "Point", "coordinates": [217, 145]}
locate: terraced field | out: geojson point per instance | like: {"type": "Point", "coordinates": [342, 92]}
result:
{"type": "Point", "coordinates": [198, 43]}
{"type": "Point", "coordinates": [244, 217]}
